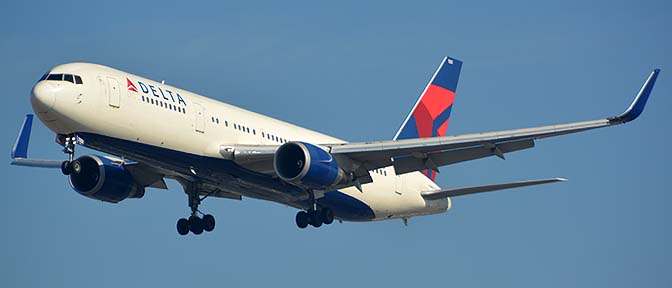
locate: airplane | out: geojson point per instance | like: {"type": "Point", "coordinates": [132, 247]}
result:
{"type": "Point", "coordinates": [151, 131]}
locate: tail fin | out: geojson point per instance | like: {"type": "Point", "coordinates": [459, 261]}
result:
{"type": "Point", "coordinates": [431, 113]}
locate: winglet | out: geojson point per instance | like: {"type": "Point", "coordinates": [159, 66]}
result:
{"type": "Point", "coordinates": [20, 149]}
{"type": "Point", "coordinates": [638, 104]}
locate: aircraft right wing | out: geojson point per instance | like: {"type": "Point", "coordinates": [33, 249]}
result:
{"type": "Point", "coordinates": [409, 155]}
{"type": "Point", "coordinates": [430, 153]}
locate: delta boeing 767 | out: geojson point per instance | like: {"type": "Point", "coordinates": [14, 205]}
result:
{"type": "Point", "coordinates": [151, 131]}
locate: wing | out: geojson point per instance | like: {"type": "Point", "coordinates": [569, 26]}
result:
{"type": "Point", "coordinates": [410, 155]}
{"type": "Point", "coordinates": [20, 149]}
{"type": "Point", "coordinates": [422, 153]}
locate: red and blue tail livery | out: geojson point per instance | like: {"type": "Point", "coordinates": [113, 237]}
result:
{"type": "Point", "coordinates": [431, 114]}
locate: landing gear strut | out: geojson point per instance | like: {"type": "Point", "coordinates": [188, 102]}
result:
{"type": "Point", "coordinates": [315, 216]}
{"type": "Point", "coordinates": [70, 166]}
{"type": "Point", "coordinates": [194, 223]}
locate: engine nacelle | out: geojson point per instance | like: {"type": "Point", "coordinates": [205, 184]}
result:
{"type": "Point", "coordinates": [102, 179]}
{"type": "Point", "coordinates": [307, 165]}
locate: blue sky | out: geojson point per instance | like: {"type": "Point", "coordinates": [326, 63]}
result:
{"type": "Point", "coordinates": [353, 70]}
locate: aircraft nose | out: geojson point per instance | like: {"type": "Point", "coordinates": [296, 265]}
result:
{"type": "Point", "coordinates": [43, 97]}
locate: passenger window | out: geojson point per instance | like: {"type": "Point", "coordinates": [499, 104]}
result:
{"type": "Point", "coordinates": [68, 77]}
{"type": "Point", "coordinates": [57, 77]}
{"type": "Point", "coordinates": [78, 80]}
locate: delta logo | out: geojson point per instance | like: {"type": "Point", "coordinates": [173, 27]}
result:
{"type": "Point", "coordinates": [156, 91]}
{"type": "Point", "coordinates": [130, 86]}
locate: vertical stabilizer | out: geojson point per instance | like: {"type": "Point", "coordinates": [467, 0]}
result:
{"type": "Point", "coordinates": [431, 114]}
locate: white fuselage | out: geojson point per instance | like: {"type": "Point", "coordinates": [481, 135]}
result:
{"type": "Point", "coordinates": [163, 116]}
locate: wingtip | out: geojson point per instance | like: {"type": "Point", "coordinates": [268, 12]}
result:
{"type": "Point", "coordinates": [562, 179]}
{"type": "Point", "coordinates": [637, 106]}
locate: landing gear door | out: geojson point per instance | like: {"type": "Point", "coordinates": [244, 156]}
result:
{"type": "Point", "coordinates": [200, 118]}
{"type": "Point", "coordinates": [114, 93]}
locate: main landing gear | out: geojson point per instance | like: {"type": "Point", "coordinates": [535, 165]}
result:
{"type": "Point", "coordinates": [70, 166]}
{"type": "Point", "coordinates": [194, 223]}
{"type": "Point", "coordinates": [315, 216]}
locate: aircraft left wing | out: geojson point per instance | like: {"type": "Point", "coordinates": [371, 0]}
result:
{"type": "Point", "coordinates": [20, 149]}
{"type": "Point", "coordinates": [143, 174]}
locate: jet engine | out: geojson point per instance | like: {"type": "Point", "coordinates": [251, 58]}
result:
{"type": "Point", "coordinates": [308, 165]}
{"type": "Point", "coordinates": [103, 179]}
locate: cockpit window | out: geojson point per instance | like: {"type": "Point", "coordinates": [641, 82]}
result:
{"type": "Point", "coordinates": [58, 77]}
{"type": "Point", "coordinates": [63, 77]}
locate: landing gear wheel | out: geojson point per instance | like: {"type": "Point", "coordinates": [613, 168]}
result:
{"type": "Point", "coordinates": [196, 225]}
{"type": "Point", "coordinates": [66, 168]}
{"type": "Point", "coordinates": [315, 219]}
{"type": "Point", "coordinates": [183, 226]}
{"type": "Point", "coordinates": [302, 219]}
{"type": "Point", "coordinates": [327, 216]}
{"type": "Point", "coordinates": [208, 223]}
{"type": "Point", "coordinates": [76, 167]}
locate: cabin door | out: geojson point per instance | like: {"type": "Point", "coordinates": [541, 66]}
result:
{"type": "Point", "coordinates": [113, 90]}
{"type": "Point", "coordinates": [200, 118]}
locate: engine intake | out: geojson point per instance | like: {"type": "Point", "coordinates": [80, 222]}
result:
{"type": "Point", "coordinates": [102, 179]}
{"type": "Point", "coordinates": [308, 165]}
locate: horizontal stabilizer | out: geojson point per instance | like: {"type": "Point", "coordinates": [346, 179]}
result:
{"type": "Point", "coordinates": [452, 192]}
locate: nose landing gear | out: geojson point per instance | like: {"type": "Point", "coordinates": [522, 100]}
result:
{"type": "Point", "coordinates": [70, 166]}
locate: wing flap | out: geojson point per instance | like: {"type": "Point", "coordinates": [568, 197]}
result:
{"type": "Point", "coordinates": [452, 192]}
{"type": "Point", "coordinates": [419, 161]}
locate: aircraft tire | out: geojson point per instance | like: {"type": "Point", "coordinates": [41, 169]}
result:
{"type": "Point", "coordinates": [327, 216]}
{"type": "Point", "coordinates": [66, 168]}
{"type": "Point", "coordinates": [183, 226]}
{"type": "Point", "coordinates": [75, 167]}
{"type": "Point", "coordinates": [196, 225]}
{"type": "Point", "coordinates": [302, 219]}
{"type": "Point", "coordinates": [208, 223]}
{"type": "Point", "coordinates": [315, 219]}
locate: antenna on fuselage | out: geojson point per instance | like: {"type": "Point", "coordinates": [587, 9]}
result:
{"type": "Point", "coordinates": [163, 81]}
